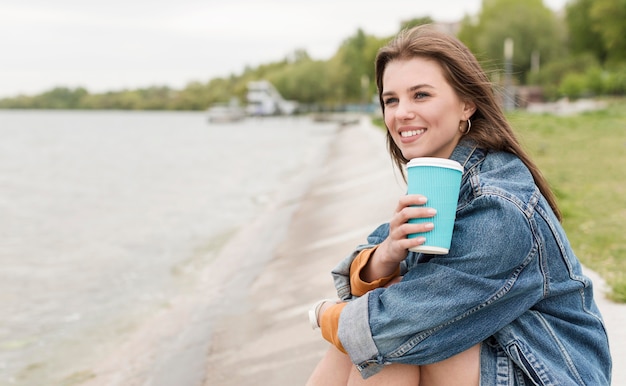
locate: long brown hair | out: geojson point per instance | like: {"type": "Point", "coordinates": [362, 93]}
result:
{"type": "Point", "coordinates": [490, 129]}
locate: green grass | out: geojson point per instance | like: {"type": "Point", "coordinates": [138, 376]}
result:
{"type": "Point", "coordinates": [583, 156]}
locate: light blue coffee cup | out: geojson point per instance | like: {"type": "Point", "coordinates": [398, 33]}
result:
{"type": "Point", "coordinates": [439, 179]}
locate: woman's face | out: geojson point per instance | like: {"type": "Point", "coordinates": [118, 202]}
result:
{"type": "Point", "coordinates": [422, 111]}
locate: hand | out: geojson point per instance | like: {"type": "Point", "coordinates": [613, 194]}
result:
{"type": "Point", "coordinates": [397, 244]}
{"type": "Point", "coordinates": [395, 248]}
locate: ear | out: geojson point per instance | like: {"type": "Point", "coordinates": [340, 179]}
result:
{"type": "Point", "coordinates": [469, 108]}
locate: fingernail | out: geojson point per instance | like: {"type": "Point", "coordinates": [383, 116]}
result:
{"type": "Point", "coordinates": [429, 225]}
{"type": "Point", "coordinates": [432, 211]}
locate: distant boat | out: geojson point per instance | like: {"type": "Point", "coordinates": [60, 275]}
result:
{"type": "Point", "coordinates": [225, 112]}
{"type": "Point", "coordinates": [263, 99]}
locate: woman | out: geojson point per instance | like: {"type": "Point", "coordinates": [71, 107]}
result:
{"type": "Point", "coordinates": [508, 304]}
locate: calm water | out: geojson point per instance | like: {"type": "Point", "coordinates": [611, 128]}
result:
{"type": "Point", "coordinates": [107, 216]}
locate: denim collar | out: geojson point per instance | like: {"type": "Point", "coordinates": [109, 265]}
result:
{"type": "Point", "coordinates": [467, 153]}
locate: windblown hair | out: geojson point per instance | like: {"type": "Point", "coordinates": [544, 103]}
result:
{"type": "Point", "coordinates": [490, 129]}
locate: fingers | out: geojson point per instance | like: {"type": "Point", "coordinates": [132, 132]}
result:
{"type": "Point", "coordinates": [410, 199]}
{"type": "Point", "coordinates": [398, 248]}
{"type": "Point", "coordinates": [409, 207]}
{"type": "Point", "coordinates": [402, 230]}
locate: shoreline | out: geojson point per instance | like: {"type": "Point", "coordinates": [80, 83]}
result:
{"type": "Point", "coordinates": [268, 339]}
{"type": "Point", "coordinates": [169, 346]}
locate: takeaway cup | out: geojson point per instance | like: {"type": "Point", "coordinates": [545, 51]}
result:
{"type": "Point", "coordinates": [439, 179]}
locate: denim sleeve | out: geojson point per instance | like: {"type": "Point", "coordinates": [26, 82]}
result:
{"type": "Point", "coordinates": [341, 272]}
{"type": "Point", "coordinates": [446, 304]}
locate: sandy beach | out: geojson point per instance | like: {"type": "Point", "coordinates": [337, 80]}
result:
{"type": "Point", "coordinates": [264, 337]}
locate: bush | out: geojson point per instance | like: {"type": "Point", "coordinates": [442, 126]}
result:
{"type": "Point", "coordinates": [595, 78]}
{"type": "Point", "coordinates": [573, 86]}
{"type": "Point", "coordinates": [594, 81]}
{"type": "Point", "coordinates": [554, 72]}
{"type": "Point", "coordinates": [551, 76]}
{"type": "Point", "coordinates": [616, 81]}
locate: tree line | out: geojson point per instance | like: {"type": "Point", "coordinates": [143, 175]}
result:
{"type": "Point", "coordinates": [580, 52]}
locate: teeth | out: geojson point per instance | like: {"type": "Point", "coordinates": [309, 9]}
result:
{"type": "Point", "coordinates": [411, 133]}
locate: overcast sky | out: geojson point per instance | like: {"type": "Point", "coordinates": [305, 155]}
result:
{"type": "Point", "coordinates": [116, 44]}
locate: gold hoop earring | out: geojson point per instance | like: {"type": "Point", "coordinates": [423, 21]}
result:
{"type": "Point", "coordinates": [467, 130]}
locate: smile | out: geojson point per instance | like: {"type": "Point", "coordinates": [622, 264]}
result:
{"type": "Point", "coordinates": [411, 133]}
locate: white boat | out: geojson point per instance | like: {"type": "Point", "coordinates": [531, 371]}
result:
{"type": "Point", "coordinates": [263, 99]}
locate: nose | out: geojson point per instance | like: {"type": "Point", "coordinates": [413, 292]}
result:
{"type": "Point", "coordinates": [405, 110]}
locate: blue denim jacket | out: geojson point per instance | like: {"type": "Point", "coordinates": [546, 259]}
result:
{"type": "Point", "coordinates": [510, 281]}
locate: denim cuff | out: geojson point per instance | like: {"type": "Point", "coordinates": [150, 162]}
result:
{"type": "Point", "coordinates": [355, 336]}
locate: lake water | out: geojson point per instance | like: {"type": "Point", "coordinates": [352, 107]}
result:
{"type": "Point", "coordinates": [107, 217]}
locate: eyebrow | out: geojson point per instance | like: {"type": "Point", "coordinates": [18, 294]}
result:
{"type": "Point", "coordinates": [410, 89]}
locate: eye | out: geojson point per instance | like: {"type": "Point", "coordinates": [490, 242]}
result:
{"type": "Point", "coordinates": [390, 101]}
{"type": "Point", "coordinates": [421, 95]}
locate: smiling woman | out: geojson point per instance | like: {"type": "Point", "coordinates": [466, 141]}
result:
{"type": "Point", "coordinates": [422, 111]}
{"type": "Point", "coordinates": [481, 312]}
